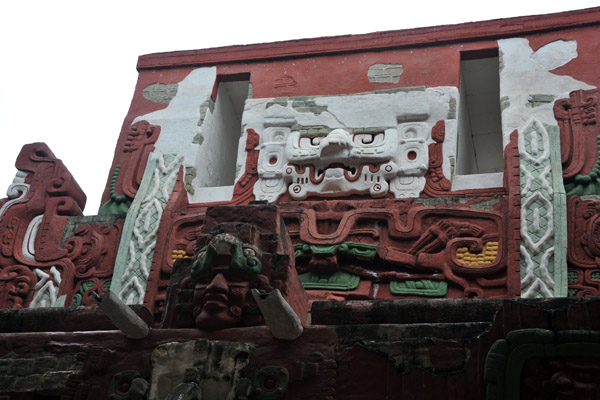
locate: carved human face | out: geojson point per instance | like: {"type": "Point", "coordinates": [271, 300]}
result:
{"type": "Point", "coordinates": [222, 273]}
{"type": "Point", "coordinates": [219, 298]}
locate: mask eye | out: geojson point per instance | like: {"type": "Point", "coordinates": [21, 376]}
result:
{"type": "Point", "coordinates": [315, 141]}
{"type": "Point", "coordinates": [369, 139]}
{"type": "Point", "coordinates": [249, 252]}
{"type": "Point", "coordinates": [305, 142]}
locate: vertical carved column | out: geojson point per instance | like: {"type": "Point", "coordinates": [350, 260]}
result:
{"type": "Point", "coordinates": [543, 213]}
{"type": "Point", "coordinates": [136, 249]}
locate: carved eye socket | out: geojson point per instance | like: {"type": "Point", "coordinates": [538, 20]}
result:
{"type": "Point", "coordinates": [249, 252]}
{"type": "Point", "coordinates": [369, 139]}
{"type": "Point", "coordinates": [307, 142]}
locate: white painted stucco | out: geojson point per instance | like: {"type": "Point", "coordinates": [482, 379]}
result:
{"type": "Point", "coordinates": [181, 122]}
{"type": "Point", "coordinates": [393, 113]}
{"type": "Point", "coordinates": [525, 72]}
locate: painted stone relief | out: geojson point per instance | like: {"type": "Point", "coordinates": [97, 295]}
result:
{"type": "Point", "coordinates": [238, 249]}
{"type": "Point", "coordinates": [36, 270]}
{"type": "Point", "coordinates": [543, 213]}
{"type": "Point", "coordinates": [368, 144]}
{"type": "Point", "coordinates": [444, 251]}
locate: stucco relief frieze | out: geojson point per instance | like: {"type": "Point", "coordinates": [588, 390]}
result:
{"type": "Point", "coordinates": [369, 144]}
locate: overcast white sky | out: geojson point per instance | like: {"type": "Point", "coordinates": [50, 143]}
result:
{"type": "Point", "coordinates": [67, 68]}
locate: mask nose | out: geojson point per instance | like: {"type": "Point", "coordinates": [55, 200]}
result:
{"type": "Point", "coordinates": [218, 284]}
{"type": "Point", "coordinates": [337, 143]}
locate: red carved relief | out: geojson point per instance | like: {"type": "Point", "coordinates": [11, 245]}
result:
{"type": "Point", "coordinates": [32, 225]}
{"type": "Point", "coordinates": [242, 192]}
{"type": "Point", "coordinates": [93, 250]}
{"type": "Point", "coordinates": [413, 242]}
{"type": "Point", "coordinates": [583, 253]}
{"type": "Point", "coordinates": [239, 248]}
{"type": "Point", "coordinates": [17, 284]}
{"type": "Point", "coordinates": [578, 131]}
{"type": "Point", "coordinates": [90, 249]}
{"type": "Point", "coordinates": [139, 143]}
{"type": "Point", "coordinates": [131, 162]}
{"type": "Point", "coordinates": [436, 184]}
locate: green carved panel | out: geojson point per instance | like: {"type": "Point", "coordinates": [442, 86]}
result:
{"type": "Point", "coordinates": [421, 287]}
{"type": "Point", "coordinates": [116, 204]}
{"type": "Point", "coordinates": [356, 250]}
{"type": "Point", "coordinates": [506, 358]}
{"type": "Point", "coordinates": [78, 297]}
{"type": "Point", "coordinates": [332, 281]}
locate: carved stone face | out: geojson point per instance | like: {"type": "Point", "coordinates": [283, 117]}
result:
{"type": "Point", "coordinates": [238, 249]}
{"type": "Point", "coordinates": [219, 298]}
{"type": "Point", "coordinates": [223, 272]}
{"type": "Point", "coordinates": [367, 144]}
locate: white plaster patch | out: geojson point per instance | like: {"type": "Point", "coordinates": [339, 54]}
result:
{"type": "Point", "coordinates": [477, 181]}
{"type": "Point", "coordinates": [525, 72]}
{"type": "Point", "coordinates": [179, 120]}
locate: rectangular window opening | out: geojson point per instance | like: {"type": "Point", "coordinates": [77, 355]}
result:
{"type": "Point", "coordinates": [479, 148]}
{"type": "Point", "coordinates": [221, 141]}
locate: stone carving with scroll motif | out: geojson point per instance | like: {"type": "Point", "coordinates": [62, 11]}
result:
{"type": "Point", "coordinates": [445, 251]}
{"type": "Point", "coordinates": [92, 250]}
{"type": "Point", "coordinates": [579, 141]}
{"type": "Point", "coordinates": [33, 218]}
{"type": "Point", "coordinates": [239, 248]}
{"type": "Point", "coordinates": [129, 168]}
{"type": "Point", "coordinates": [584, 246]}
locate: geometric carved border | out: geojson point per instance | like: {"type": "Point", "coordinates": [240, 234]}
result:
{"type": "Point", "coordinates": [543, 213]}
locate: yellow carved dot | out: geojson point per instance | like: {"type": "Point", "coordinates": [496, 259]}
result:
{"type": "Point", "coordinates": [487, 255]}
{"type": "Point", "coordinates": [175, 254]}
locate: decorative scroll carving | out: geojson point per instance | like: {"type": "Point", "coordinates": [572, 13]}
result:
{"type": "Point", "coordinates": [90, 249]}
{"type": "Point", "coordinates": [129, 167]}
{"type": "Point", "coordinates": [33, 218]}
{"type": "Point", "coordinates": [543, 214]}
{"type": "Point", "coordinates": [240, 248]}
{"type": "Point", "coordinates": [578, 132]}
{"type": "Point", "coordinates": [141, 227]}
{"type": "Point", "coordinates": [17, 285]}
{"type": "Point", "coordinates": [404, 242]}
{"type": "Point", "coordinates": [584, 246]}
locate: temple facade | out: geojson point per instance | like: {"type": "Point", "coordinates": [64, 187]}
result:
{"type": "Point", "coordinates": [404, 214]}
